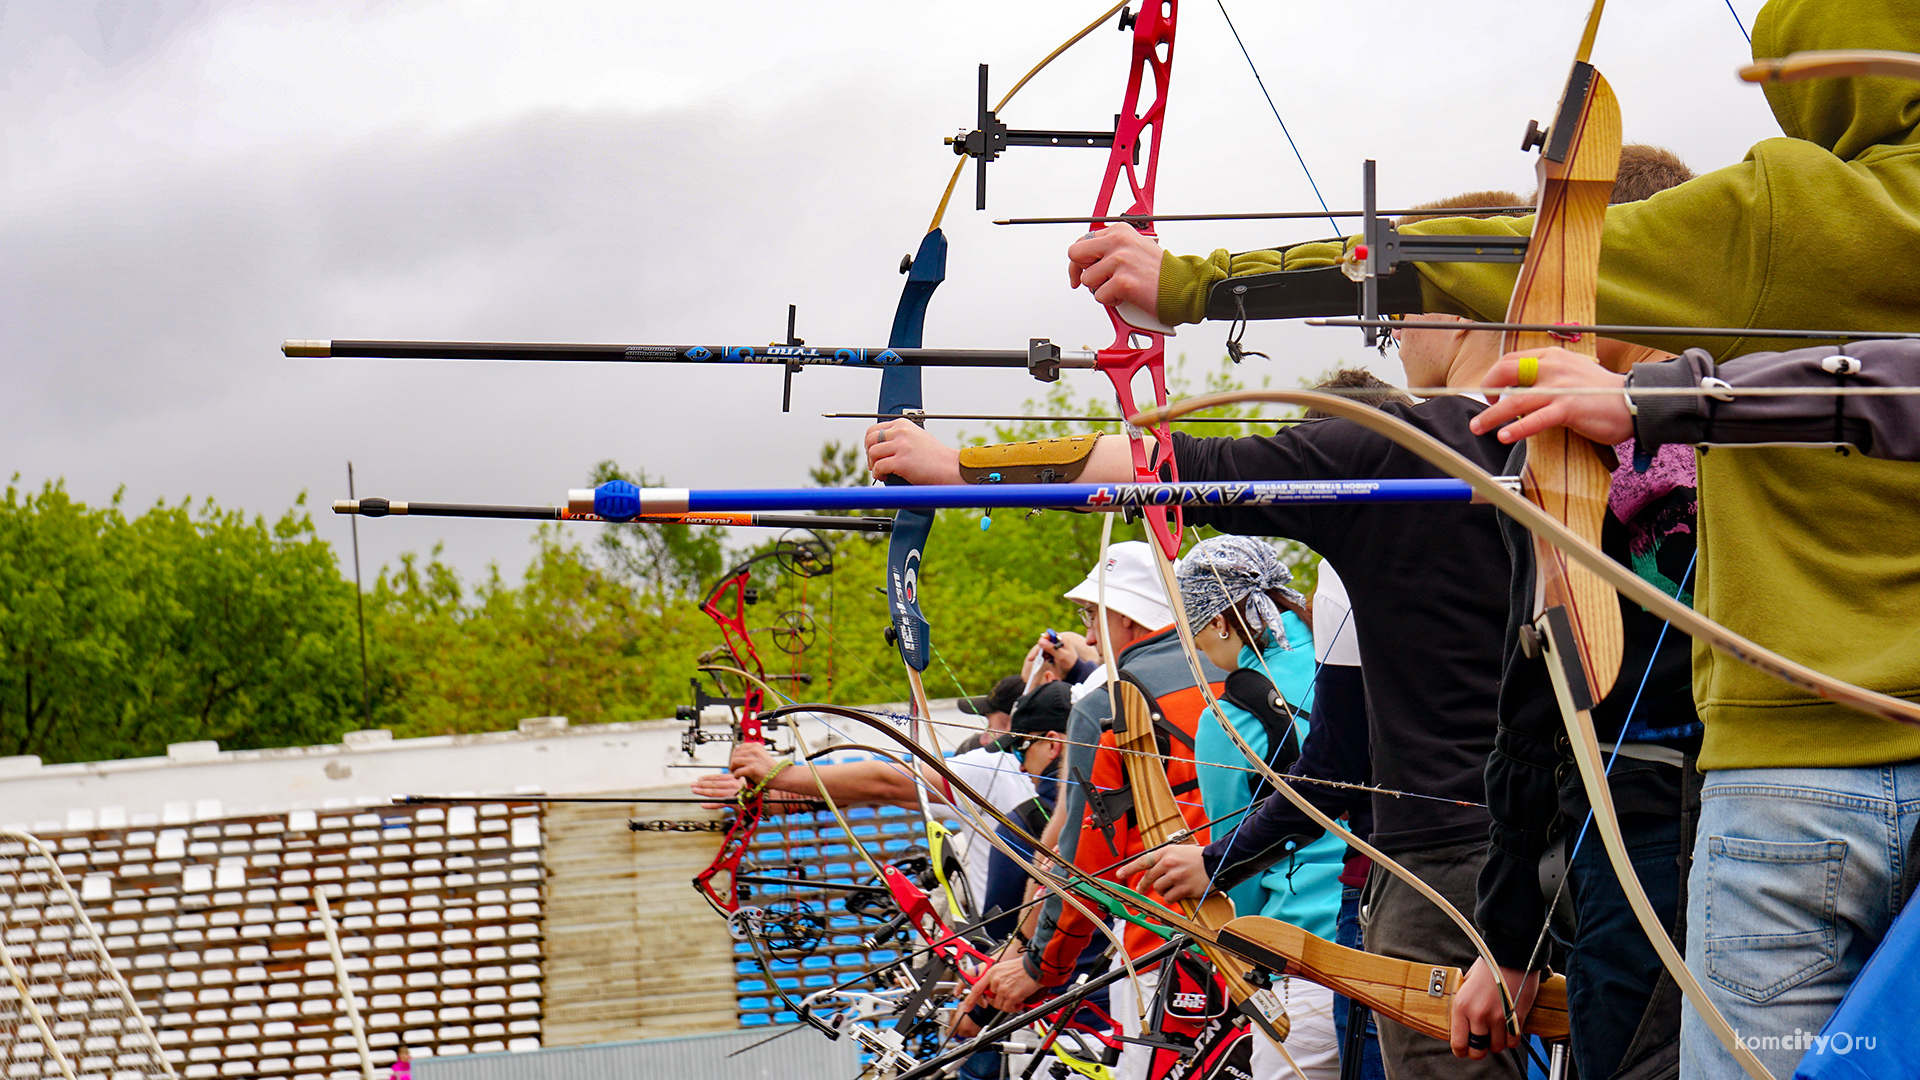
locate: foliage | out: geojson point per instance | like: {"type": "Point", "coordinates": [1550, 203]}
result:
{"type": "Point", "coordinates": [120, 636]}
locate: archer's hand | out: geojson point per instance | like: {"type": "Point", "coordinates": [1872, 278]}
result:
{"type": "Point", "coordinates": [1477, 1008]}
{"type": "Point", "coordinates": [1006, 984]}
{"type": "Point", "coordinates": [1600, 417]}
{"type": "Point", "coordinates": [1060, 653]}
{"type": "Point", "coordinates": [1119, 265]}
{"type": "Point", "coordinates": [905, 449]}
{"type": "Point", "coordinates": [1176, 872]}
{"type": "Point", "coordinates": [751, 762]}
{"type": "Point", "coordinates": [722, 788]}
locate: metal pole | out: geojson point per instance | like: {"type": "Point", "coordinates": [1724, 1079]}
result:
{"type": "Point", "coordinates": [92, 934]}
{"type": "Point", "coordinates": [346, 990]}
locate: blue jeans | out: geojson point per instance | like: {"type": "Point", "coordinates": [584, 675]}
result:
{"type": "Point", "coordinates": [1348, 933]}
{"type": "Point", "coordinates": [1795, 877]}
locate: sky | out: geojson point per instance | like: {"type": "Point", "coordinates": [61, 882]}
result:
{"type": "Point", "coordinates": [189, 183]}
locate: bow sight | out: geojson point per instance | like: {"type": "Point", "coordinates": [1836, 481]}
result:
{"type": "Point", "coordinates": [736, 658]}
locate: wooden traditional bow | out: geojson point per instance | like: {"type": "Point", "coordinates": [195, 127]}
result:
{"type": "Point", "coordinates": [1420, 996]}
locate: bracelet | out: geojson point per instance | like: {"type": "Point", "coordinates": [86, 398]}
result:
{"type": "Point", "coordinates": [1626, 391]}
{"type": "Point", "coordinates": [761, 787]}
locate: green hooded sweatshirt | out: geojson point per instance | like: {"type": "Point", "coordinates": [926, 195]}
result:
{"type": "Point", "coordinates": [1810, 552]}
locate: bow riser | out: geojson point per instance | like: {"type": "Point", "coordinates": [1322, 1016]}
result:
{"type": "Point", "coordinates": [1135, 159]}
{"type": "Point", "coordinates": [1564, 475]}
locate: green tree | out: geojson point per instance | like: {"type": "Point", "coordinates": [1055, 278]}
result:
{"type": "Point", "coordinates": [122, 636]}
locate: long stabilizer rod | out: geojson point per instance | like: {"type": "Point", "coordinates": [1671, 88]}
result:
{"type": "Point", "coordinates": [390, 507]}
{"type": "Point", "coordinates": [621, 501]}
{"type": "Point", "coordinates": [1041, 357]}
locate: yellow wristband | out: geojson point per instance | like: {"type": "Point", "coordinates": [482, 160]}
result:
{"type": "Point", "coordinates": [761, 787]}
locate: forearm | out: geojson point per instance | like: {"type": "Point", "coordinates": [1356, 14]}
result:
{"type": "Point", "coordinates": [851, 783]}
{"type": "Point", "coordinates": [1335, 749]}
{"type": "Point", "coordinates": [1884, 426]}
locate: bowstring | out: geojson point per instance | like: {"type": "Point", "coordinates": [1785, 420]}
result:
{"type": "Point", "coordinates": [1297, 156]}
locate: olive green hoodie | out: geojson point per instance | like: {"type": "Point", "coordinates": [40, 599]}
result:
{"type": "Point", "coordinates": [1810, 552]}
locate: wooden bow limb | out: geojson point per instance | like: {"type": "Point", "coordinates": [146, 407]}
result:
{"type": "Point", "coordinates": [1419, 996]}
{"type": "Point", "coordinates": [1833, 64]}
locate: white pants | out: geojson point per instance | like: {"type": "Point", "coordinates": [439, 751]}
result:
{"type": "Point", "coordinates": [1312, 1041]}
{"type": "Point", "coordinates": [1125, 1006]}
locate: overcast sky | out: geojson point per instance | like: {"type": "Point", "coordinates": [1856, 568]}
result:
{"type": "Point", "coordinates": [188, 183]}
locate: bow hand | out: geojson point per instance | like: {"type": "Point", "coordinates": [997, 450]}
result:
{"type": "Point", "coordinates": [1478, 1010]}
{"type": "Point", "coordinates": [751, 762]}
{"type": "Point", "coordinates": [904, 449]}
{"type": "Point", "coordinates": [1120, 266]}
{"type": "Point", "coordinates": [1601, 417]}
{"type": "Point", "coordinates": [1176, 872]}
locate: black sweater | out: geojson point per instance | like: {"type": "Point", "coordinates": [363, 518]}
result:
{"type": "Point", "coordinates": [1428, 583]}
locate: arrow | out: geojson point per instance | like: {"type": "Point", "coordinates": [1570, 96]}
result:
{"type": "Point", "coordinates": [622, 501]}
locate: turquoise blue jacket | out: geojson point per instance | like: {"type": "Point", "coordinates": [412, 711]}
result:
{"type": "Point", "coordinates": [1304, 887]}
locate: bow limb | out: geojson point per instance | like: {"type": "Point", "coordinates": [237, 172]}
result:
{"type": "Point", "coordinates": [1557, 283]}
{"type": "Point", "coordinates": [1185, 628]}
{"type": "Point", "coordinates": [1419, 996]}
{"type": "Point", "coordinates": [1833, 64]}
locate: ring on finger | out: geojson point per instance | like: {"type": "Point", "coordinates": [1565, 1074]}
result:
{"type": "Point", "coordinates": [1529, 370]}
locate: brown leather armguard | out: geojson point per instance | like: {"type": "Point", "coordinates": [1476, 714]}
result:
{"type": "Point", "coordinates": [1038, 461]}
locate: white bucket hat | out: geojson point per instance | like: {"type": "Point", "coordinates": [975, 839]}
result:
{"type": "Point", "coordinates": [1133, 587]}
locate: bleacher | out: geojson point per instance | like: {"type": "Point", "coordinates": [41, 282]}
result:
{"type": "Point", "coordinates": [215, 928]}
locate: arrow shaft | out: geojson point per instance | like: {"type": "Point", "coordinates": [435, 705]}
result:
{"type": "Point", "coordinates": [1047, 496]}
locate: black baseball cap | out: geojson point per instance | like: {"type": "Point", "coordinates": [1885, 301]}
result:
{"type": "Point", "coordinates": [999, 699]}
{"type": "Point", "coordinates": [1043, 710]}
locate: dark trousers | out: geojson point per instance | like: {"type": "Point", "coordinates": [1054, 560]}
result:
{"type": "Point", "coordinates": [1611, 967]}
{"type": "Point", "coordinates": [1400, 922]}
